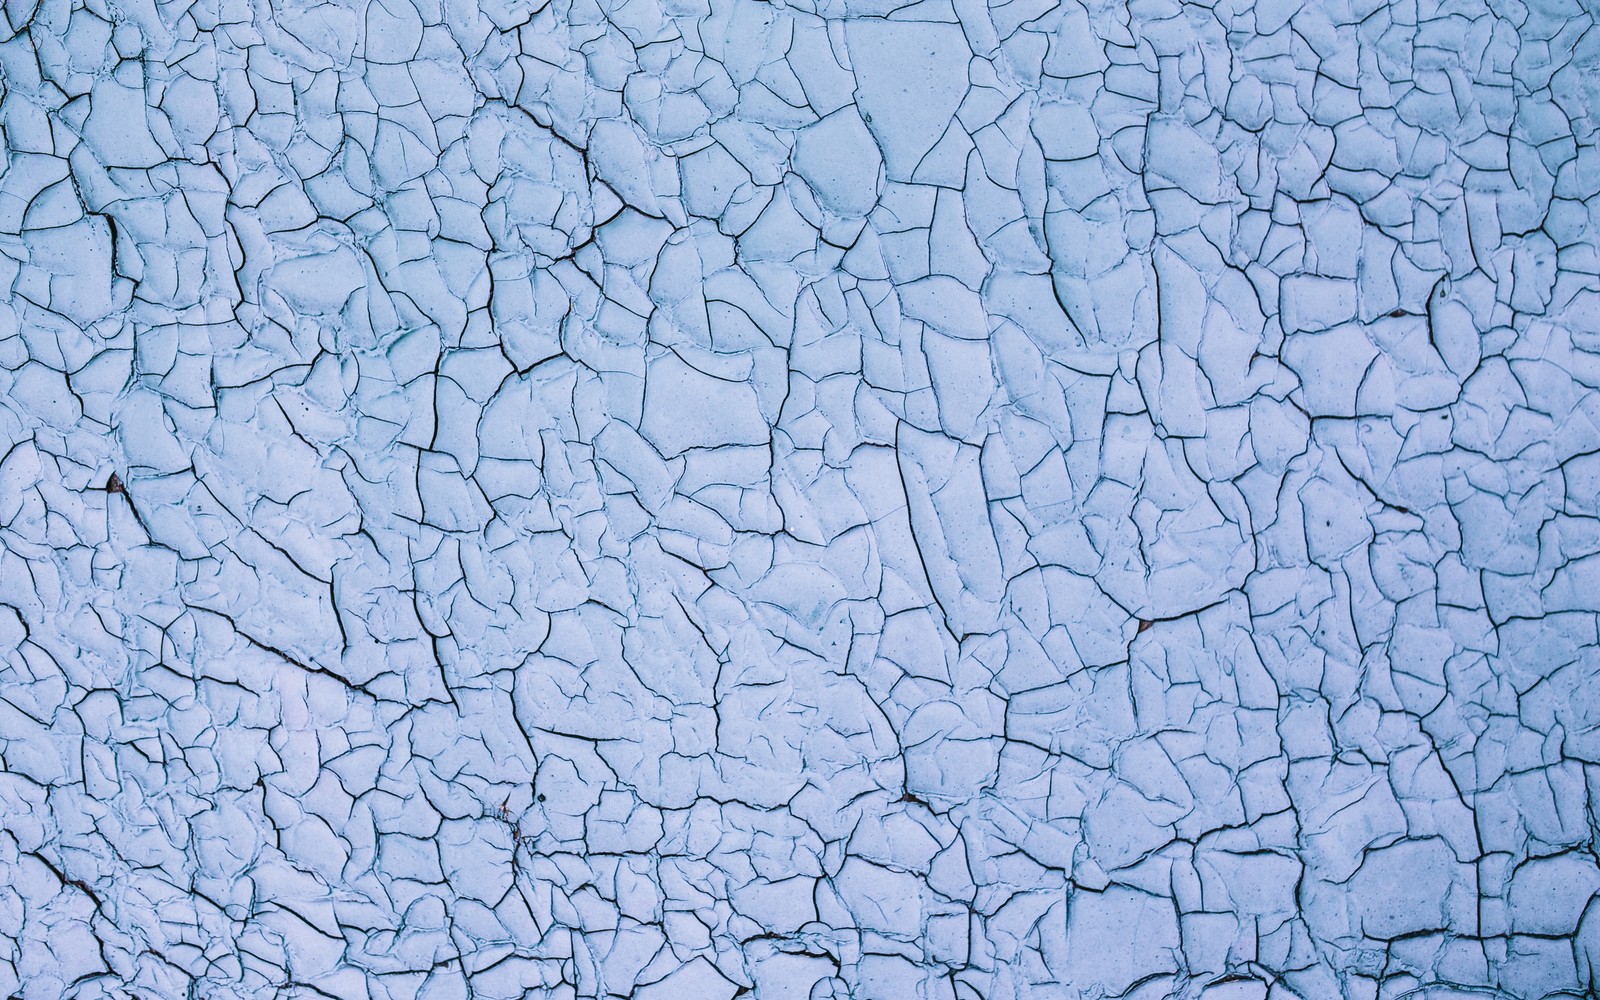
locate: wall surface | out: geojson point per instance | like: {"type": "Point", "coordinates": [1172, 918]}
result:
{"type": "Point", "coordinates": [685, 499]}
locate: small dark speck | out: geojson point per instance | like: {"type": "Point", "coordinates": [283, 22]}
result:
{"type": "Point", "coordinates": [1398, 313]}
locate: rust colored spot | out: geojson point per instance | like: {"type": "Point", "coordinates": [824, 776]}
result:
{"type": "Point", "coordinates": [1144, 625]}
{"type": "Point", "coordinates": [114, 485]}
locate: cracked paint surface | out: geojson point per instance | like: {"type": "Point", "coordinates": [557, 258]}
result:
{"type": "Point", "coordinates": [816, 499]}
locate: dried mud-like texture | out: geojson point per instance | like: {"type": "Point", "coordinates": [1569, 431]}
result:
{"type": "Point", "coordinates": [686, 499]}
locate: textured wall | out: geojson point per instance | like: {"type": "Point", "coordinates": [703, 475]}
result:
{"type": "Point", "coordinates": [673, 498]}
